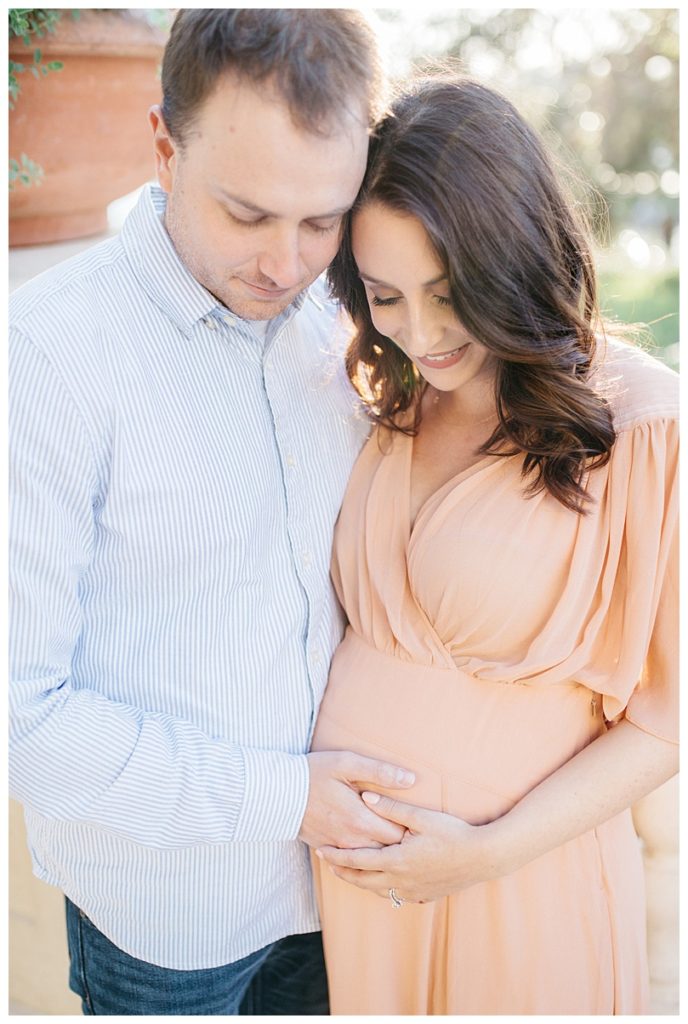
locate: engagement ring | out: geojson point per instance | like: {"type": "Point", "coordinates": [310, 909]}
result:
{"type": "Point", "coordinates": [396, 900]}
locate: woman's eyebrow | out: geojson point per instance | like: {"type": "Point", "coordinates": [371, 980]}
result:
{"type": "Point", "coordinates": [372, 280]}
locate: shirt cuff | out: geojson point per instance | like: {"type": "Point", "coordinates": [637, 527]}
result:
{"type": "Point", "coordinates": [275, 796]}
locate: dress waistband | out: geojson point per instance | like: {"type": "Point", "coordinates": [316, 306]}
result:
{"type": "Point", "coordinates": [502, 737]}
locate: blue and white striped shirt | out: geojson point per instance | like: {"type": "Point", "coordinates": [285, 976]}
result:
{"type": "Point", "coordinates": [175, 481]}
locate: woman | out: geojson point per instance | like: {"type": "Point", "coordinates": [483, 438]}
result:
{"type": "Point", "coordinates": [506, 558]}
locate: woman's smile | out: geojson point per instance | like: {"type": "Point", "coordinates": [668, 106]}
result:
{"type": "Point", "coordinates": [443, 360]}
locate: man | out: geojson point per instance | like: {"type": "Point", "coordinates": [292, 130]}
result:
{"type": "Point", "coordinates": [180, 449]}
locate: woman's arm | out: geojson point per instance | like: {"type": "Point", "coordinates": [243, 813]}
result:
{"type": "Point", "coordinates": [441, 854]}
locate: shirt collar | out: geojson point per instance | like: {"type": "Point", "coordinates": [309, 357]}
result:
{"type": "Point", "coordinates": [164, 276]}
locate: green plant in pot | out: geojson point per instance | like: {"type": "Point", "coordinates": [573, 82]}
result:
{"type": "Point", "coordinates": [86, 125]}
{"type": "Point", "coordinates": [29, 25]}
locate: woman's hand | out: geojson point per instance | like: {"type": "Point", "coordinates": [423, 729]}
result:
{"type": "Point", "coordinates": [441, 854]}
{"type": "Point", "coordinates": [437, 855]}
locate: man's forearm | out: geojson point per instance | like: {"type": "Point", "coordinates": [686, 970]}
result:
{"type": "Point", "coordinates": [157, 780]}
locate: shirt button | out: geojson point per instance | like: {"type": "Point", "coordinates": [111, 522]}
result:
{"type": "Point", "coordinates": [290, 461]}
{"type": "Point", "coordinates": [306, 558]}
{"type": "Point", "coordinates": [209, 322]}
{"type": "Point", "coordinates": [229, 320]}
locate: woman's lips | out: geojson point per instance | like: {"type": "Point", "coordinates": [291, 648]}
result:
{"type": "Point", "coordinates": [443, 360]}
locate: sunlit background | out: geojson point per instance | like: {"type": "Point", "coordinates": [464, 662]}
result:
{"type": "Point", "coordinates": [603, 86]}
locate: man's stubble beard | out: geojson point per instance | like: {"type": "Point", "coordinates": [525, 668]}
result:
{"type": "Point", "coordinates": [187, 254]}
{"type": "Point", "coordinates": [229, 297]}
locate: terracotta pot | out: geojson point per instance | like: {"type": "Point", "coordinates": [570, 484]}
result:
{"type": "Point", "coordinates": [85, 125]}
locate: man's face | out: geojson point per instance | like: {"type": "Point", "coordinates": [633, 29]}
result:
{"type": "Point", "coordinates": [255, 204]}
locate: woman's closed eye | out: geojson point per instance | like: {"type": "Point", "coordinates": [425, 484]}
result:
{"type": "Point", "coordinates": [441, 300]}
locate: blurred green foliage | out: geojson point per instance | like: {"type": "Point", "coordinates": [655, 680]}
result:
{"type": "Point", "coordinates": [601, 85]}
{"type": "Point", "coordinates": [30, 24]}
{"type": "Point", "coordinates": [638, 297]}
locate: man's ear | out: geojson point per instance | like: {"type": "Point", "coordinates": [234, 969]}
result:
{"type": "Point", "coordinates": [165, 149]}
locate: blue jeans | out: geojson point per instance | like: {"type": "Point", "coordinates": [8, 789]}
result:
{"type": "Point", "coordinates": [286, 977]}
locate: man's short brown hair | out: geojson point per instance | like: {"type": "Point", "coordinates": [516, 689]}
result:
{"type": "Point", "coordinates": [319, 60]}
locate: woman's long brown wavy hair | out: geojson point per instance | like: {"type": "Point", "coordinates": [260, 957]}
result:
{"type": "Point", "coordinates": [460, 158]}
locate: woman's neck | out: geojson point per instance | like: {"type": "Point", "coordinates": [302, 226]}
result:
{"type": "Point", "coordinates": [467, 407]}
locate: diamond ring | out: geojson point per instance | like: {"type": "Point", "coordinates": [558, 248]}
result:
{"type": "Point", "coordinates": [396, 900]}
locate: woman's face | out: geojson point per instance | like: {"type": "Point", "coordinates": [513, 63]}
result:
{"type": "Point", "coordinates": [408, 296]}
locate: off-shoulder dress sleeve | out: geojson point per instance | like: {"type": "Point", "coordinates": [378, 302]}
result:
{"type": "Point", "coordinates": [644, 498]}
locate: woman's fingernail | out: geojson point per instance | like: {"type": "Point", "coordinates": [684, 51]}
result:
{"type": "Point", "coordinates": [405, 778]}
{"type": "Point", "coordinates": [371, 798]}
{"type": "Point", "coordinates": [319, 853]}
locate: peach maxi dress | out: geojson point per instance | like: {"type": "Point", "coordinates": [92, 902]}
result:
{"type": "Point", "coordinates": [488, 643]}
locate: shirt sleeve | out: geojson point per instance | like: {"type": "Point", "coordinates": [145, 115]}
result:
{"type": "Point", "coordinates": [647, 678]}
{"type": "Point", "coordinates": [75, 755]}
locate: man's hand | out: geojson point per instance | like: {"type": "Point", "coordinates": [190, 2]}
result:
{"type": "Point", "coordinates": [335, 814]}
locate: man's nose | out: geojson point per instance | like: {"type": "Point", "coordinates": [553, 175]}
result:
{"type": "Point", "coordinates": [281, 260]}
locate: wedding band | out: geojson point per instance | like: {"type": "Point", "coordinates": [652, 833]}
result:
{"type": "Point", "coordinates": [396, 900]}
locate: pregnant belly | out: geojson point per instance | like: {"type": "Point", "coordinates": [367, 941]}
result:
{"type": "Point", "coordinates": [476, 746]}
